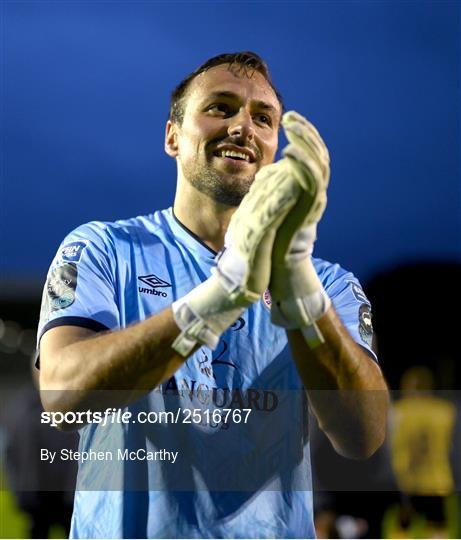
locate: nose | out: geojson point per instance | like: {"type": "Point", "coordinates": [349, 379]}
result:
{"type": "Point", "coordinates": [241, 125]}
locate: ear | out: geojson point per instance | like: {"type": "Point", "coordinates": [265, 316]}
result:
{"type": "Point", "coordinates": [171, 139]}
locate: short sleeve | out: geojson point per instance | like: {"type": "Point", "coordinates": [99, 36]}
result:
{"type": "Point", "coordinates": [350, 302]}
{"type": "Point", "coordinates": [80, 288]}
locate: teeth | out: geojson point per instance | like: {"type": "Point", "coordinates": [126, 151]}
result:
{"type": "Point", "coordinates": [231, 153]}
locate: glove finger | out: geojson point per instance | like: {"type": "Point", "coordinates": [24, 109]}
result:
{"type": "Point", "coordinates": [308, 158]}
{"type": "Point", "coordinates": [301, 138]}
{"type": "Point", "coordinates": [317, 209]}
{"type": "Point", "coordinates": [292, 118]}
{"type": "Point", "coordinates": [258, 280]}
{"type": "Point", "coordinates": [264, 206]}
{"type": "Point", "coordinates": [265, 180]}
{"type": "Point", "coordinates": [307, 150]}
{"type": "Point", "coordinates": [298, 130]}
{"type": "Point", "coordinates": [308, 144]}
{"type": "Point", "coordinates": [317, 191]}
{"type": "Point", "coordinates": [291, 224]}
{"type": "Point", "coordinates": [307, 171]}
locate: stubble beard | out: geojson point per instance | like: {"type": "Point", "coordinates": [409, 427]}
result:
{"type": "Point", "coordinates": [217, 185]}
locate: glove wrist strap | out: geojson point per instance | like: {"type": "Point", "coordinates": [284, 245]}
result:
{"type": "Point", "coordinates": [298, 299]}
{"type": "Point", "coordinates": [203, 315]}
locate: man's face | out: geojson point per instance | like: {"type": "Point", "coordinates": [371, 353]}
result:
{"type": "Point", "coordinates": [230, 131]}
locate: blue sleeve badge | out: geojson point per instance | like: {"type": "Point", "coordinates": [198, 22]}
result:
{"type": "Point", "coordinates": [71, 252]}
{"type": "Point", "coordinates": [358, 293]}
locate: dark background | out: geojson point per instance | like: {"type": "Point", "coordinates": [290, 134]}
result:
{"type": "Point", "coordinates": [85, 98]}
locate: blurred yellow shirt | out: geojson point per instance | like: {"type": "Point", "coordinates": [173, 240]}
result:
{"type": "Point", "coordinates": [421, 438]}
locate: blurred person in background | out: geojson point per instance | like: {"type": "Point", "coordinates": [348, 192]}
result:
{"type": "Point", "coordinates": [421, 438]}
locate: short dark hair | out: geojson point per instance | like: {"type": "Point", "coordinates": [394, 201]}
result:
{"type": "Point", "coordinates": [245, 62]}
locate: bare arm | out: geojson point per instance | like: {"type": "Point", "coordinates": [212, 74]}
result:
{"type": "Point", "coordinates": [346, 388]}
{"type": "Point", "coordinates": [76, 364]}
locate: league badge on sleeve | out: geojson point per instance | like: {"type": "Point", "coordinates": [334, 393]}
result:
{"type": "Point", "coordinates": [71, 252]}
{"type": "Point", "coordinates": [61, 286]}
{"type": "Point", "coordinates": [357, 291]}
{"type": "Point", "coordinates": [365, 326]}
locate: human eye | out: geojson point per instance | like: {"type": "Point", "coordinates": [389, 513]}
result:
{"type": "Point", "coordinates": [264, 119]}
{"type": "Point", "coordinates": [220, 109]}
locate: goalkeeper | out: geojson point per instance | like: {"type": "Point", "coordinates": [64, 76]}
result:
{"type": "Point", "coordinates": [221, 292]}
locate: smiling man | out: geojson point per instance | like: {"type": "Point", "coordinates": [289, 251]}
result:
{"type": "Point", "coordinates": [156, 313]}
{"type": "Point", "coordinates": [216, 158]}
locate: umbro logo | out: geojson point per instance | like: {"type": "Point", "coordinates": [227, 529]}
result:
{"type": "Point", "coordinates": [154, 283]}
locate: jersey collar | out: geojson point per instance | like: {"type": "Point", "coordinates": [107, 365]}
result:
{"type": "Point", "coordinates": [189, 238]}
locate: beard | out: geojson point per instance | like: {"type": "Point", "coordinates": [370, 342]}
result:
{"type": "Point", "coordinates": [219, 186]}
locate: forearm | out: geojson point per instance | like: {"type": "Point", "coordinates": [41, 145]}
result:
{"type": "Point", "coordinates": [126, 363]}
{"type": "Point", "coordinates": [346, 388]}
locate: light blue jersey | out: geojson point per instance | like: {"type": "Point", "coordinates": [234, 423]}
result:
{"type": "Point", "coordinates": [192, 474]}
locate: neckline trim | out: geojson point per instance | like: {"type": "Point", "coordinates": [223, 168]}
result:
{"type": "Point", "coordinates": [194, 236]}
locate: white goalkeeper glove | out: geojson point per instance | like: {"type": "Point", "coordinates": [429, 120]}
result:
{"type": "Point", "coordinates": [242, 271]}
{"type": "Point", "coordinates": [298, 297]}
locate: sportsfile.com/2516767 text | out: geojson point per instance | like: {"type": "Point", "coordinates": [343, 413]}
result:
{"type": "Point", "coordinates": [112, 415]}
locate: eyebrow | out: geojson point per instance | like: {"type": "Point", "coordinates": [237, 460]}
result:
{"type": "Point", "coordinates": [227, 94]}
